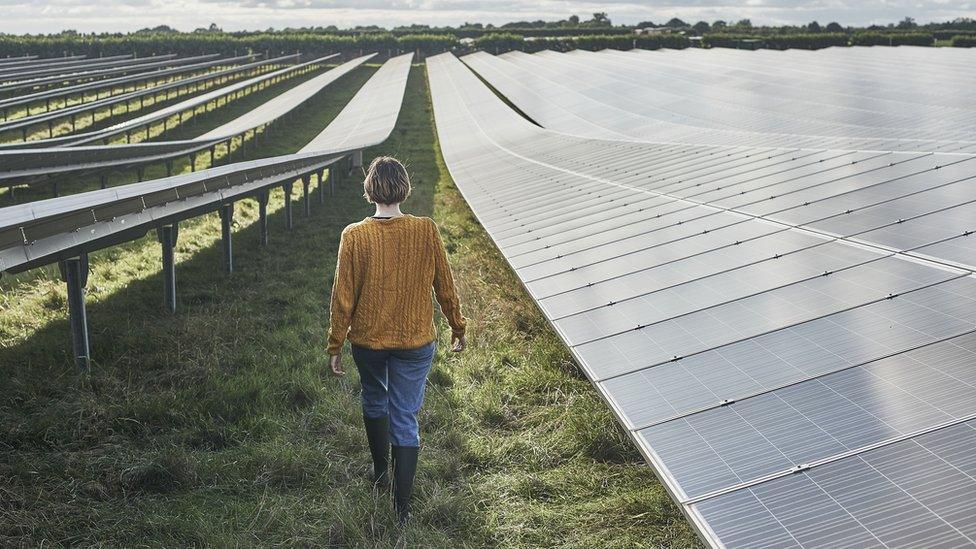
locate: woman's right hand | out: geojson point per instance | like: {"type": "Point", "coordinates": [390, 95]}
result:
{"type": "Point", "coordinates": [335, 362]}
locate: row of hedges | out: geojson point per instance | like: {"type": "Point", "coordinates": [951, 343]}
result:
{"type": "Point", "coordinates": [144, 45]}
{"type": "Point", "coordinates": [814, 41]}
{"type": "Point", "coordinates": [950, 34]}
{"type": "Point", "coordinates": [503, 42]}
{"type": "Point", "coordinates": [964, 41]}
{"type": "Point", "coordinates": [872, 38]}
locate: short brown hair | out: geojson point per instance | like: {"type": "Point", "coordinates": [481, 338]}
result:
{"type": "Point", "coordinates": [386, 181]}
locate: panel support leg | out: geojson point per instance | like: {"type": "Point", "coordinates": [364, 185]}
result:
{"type": "Point", "coordinates": [226, 217]}
{"type": "Point", "coordinates": [320, 189]}
{"type": "Point", "coordinates": [356, 160]}
{"type": "Point", "coordinates": [167, 236]}
{"type": "Point", "coordinates": [263, 213]}
{"type": "Point", "coordinates": [74, 272]}
{"type": "Point", "coordinates": [306, 180]}
{"type": "Point", "coordinates": [289, 221]}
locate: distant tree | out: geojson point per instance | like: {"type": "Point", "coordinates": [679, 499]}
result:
{"type": "Point", "coordinates": [600, 18]}
{"type": "Point", "coordinates": [719, 25]}
{"type": "Point", "coordinates": [573, 20]}
{"type": "Point", "coordinates": [907, 23]}
{"type": "Point", "coordinates": [676, 23]}
{"type": "Point", "coordinates": [213, 28]}
{"type": "Point", "coordinates": [646, 24]}
{"type": "Point", "coordinates": [161, 29]}
{"type": "Point", "coordinates": [701, 27]}
{"type": "Point", "coordinates": [834, 27]}
{"type": "Point", "coordinates": [814, 27]}
{"type": "Point", "coordinates": [744, 24]}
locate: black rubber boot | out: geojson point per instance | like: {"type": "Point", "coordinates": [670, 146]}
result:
{"type": "Point", "coordinates": [404, 469]}
{"type": "Point", "coordinates": [378, 435]}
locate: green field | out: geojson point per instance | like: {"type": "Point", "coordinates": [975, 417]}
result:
{"type": "Point", "coordinates": [219, 425]}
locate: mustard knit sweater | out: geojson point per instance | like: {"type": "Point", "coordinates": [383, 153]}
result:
{"type": "Point", "coordinates": [381, 297]}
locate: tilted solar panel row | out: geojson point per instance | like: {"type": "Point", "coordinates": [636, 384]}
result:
{"type": "Point", "coordinates": [735, 98]}
{"type": "Point", "coordinates": [782, 331]}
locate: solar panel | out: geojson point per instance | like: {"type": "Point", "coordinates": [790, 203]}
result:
{"type": "Point", "coordinates": [736, 98]}
{"type": "Point", "coordinates": [784, 325]}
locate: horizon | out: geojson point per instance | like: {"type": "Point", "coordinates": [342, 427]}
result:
{"type": "Point", "coordinates": [54, 16]}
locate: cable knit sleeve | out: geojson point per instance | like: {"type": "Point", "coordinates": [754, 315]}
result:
{"type": "Point", "coordinates": [444, 288]}
{"type": "Point", "coordinates": [344, 295]}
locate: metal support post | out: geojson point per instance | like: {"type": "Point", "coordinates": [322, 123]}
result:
{"type": "Point", "coordinates": [74, 272]}
{"type": "Point", "coordinates": [306, 180]}
{"type": "Point", "coordinates": [289, 221]}
{"type": "Point", "coordinates": [263, 213]}
{"type": "Point", "coordinates": [226, 217]}
{"type": "Point", "coordinates": [167, 235]}
{"type": "Point", "coordinates": [320, 189]}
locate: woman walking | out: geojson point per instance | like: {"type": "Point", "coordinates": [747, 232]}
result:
{"type": "Point", "coordinates": [381, 302]}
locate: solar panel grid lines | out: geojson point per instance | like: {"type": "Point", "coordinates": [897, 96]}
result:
{"type": "Point", "coordinates": [637, 419]}
{"type": "Point", "coordinates": [874, 183]}
{"type": "Point", "coordinates": [913, 493]}
{"type": "Point", "coordinates": [79, 228]}
{"type": "Point", "coordinates": [365, 118]}
{"type": "Point", "coordinates": [21, 164]}
{"type": "Point", "coordinates": [19, 60]}
{"type": "Point", "coordinates": [197, 100]}
{"type": "Point", "coordinates": [528, 78]}
{"type": "Point", "coordinates": [773, 95]}
{"type": "Point", "coordinates": [124, 98]}
{"type": "Point", "coordinates": [68, 67]}
{"type": "Point", "coordinates": [816, 421]}
{"type": "Point", "coordinates": [284, 102]}
{"type": "Point", "coordinates": [168, 69]}
{"type": "Point", "coordinates": [75, 139]}
{"type": "Point", "coordinates": [49, 83]}
{"type": "Point", "coordinates": [699, 330]}
{"type": "Point", "coordinates": [726, 400]}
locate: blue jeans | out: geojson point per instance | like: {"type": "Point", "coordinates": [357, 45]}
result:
{"type": "Point", "coordinates": [393, 383]}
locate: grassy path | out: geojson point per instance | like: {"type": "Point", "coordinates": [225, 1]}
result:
{"type": "Point", "coordinates": [219, 426]}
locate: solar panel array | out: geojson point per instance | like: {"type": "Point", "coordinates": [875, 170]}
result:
{"type": "Point", "coordinates": [17, 163]}
{"type": "Point", "coordinates": [850, 98]}
{"type": "Point", "coordinates": [787, 328]}
{"type": "Point", "coordinates": [40, 232]}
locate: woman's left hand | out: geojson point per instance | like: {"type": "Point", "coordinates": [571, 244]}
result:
{"type": "Point", "coordinates": [458, 343]}
{"type": "Point", "coordinates": [335, 362]}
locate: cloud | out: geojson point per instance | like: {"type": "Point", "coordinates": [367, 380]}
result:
{"type": "Point", "coordinates": [20, 16]}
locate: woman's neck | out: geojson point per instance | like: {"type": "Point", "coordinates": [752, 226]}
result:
{"type": "Point", "coordinates": [388, 210]}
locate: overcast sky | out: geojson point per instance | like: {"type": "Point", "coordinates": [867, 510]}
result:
{"type": "Point", "coordinates": [34, 16]}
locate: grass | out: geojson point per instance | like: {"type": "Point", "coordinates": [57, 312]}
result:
{"type": "Point", "coordinates": [220, 426]}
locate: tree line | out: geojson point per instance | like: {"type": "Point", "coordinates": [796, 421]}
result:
{"type": "Point", "coordinates": [597, 32]}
